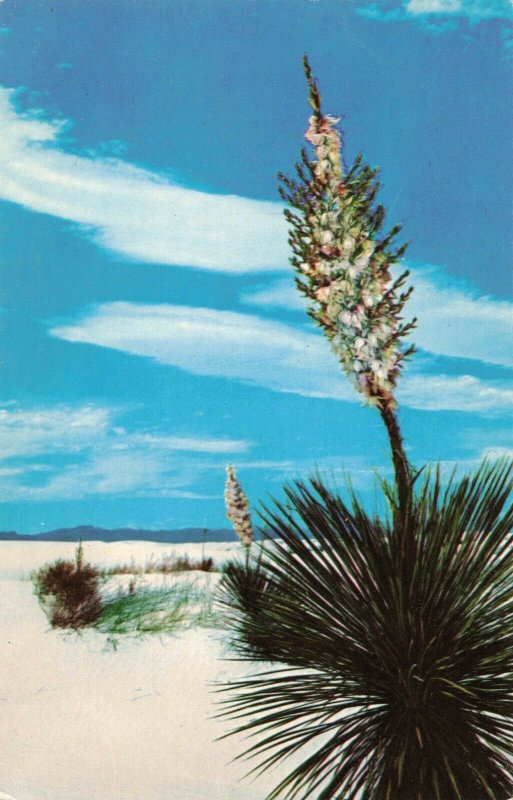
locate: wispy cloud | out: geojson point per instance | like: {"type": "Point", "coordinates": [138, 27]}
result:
{"type": "Point", "coordinates": [498, 452]}
{"type": "Point", "coordinates": [455, 393]}
{"type": "Point", "coordinates": [215, 343]}
{"type": "Point", "coordinates": [425, 10]}
{"type": "Point", "coordinates": [453, 318]}
{"type": "Point", "coordinates": [463, 466]}
{"type": "Point", "coordinates": [473, 9]}
{"type": "Point", "coordinates": [183, 443]}
{"type": "Point", "coordinates": [129, 210]}
{"type": "Point", "coordinates": [338, 471]}
{"type": "Point", "coordinates": [262, 352]}
{"type": "Point", "coordinates": [60, 429]}
{"type": "Point", "coordinates": [82, 451]}
{"type": "Point", "coordinates": [278, 294]}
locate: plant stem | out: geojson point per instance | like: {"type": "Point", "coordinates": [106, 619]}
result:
{"type": "Point", "coordinates": [403, 476]}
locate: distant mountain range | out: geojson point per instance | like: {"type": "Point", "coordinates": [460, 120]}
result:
{"type": "Point", "coordinates": [90, 533]}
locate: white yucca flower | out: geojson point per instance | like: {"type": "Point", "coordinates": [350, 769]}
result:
{"type": "Point", "coordinates": [344, 266]}
{"type": "Point", "coordinates": [237, 508]}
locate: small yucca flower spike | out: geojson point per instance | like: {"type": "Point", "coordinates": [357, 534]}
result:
{"type": "Point", "coordinates": [344, 265]}
{"type": "Point", "coordinates": [237, 508]}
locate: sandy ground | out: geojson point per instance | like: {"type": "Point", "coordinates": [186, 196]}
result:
{"type": "Point", "coordinates": [81, 721]}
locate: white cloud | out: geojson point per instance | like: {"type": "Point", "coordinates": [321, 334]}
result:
{"type": "Point", "coordinates": [474, 9]}
{"type": "Point", "coordinates": [433, 6]}
{"type": "Point", "coordinates": [336, 470]}
{"type": "Point", "coordinates": [494, 453]}
{"type": "Point", "coordinates": [137, 475]}
{"type": "Point", "coordinates": [8, 471]}
{"type": "Point", "coordinates": [278, 294]}
{"type": "Point", "coordinates": [424, 10]}
{"type": "Point", "coordinates": [97, 457]}
{"type": "Point", "coordinates": [453, 319]}
{"type": "Point", "coordinates": [261, 352]}
{"type": "Point", "coordinates": [67, 429]}
{"type": "Point", "coordinates": [50, 430]}
{"type": "Point", "coordinates": [102, 473]}
{"type": "Point", "coordinates": [454, 393]}
{"type": "Point", "coordinates": [131, 211]}
{"type": "Point", "coordinates": [216, 343]}
{"type": "Point", "coordinates": [137, 472]}
{"type": "Point", "coordinates": [188, 444]}
{"type": "Point", "coordinates": [464, 466]}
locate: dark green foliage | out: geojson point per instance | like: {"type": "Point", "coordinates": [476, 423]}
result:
{"type": "Point", "coordinates": [249, 593]}
{"type": "Point", "coordinates": [69, 592]}
{"type": "Point", "coordinates": [396, 648]}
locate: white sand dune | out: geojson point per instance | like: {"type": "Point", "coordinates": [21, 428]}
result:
{"type": "Point", "coordinates": [81, 721]}
{"type": "Point", "coordinates": [18, 559]}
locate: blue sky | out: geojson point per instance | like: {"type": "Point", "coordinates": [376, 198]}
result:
{"type": "Point", "coordinates": [150, 328]}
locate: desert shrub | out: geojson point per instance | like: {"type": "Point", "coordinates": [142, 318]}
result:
{"type": "Point", "coordinates": [185, 564]}
{"type": "Point", "coordinates": [69, 592]}
{"type": "Point", "coordinates": [166, 565]}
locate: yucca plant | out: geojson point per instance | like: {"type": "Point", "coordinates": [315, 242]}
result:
{"type": "Point", "coordinates": [391, 635]}
{"type": "Point", "coordinates": [398, 651]}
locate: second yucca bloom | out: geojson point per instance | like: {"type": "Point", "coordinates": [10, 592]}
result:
{"type": "Point", "coordinates": [237, 508]}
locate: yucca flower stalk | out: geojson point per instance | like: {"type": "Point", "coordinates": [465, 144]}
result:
{"type": "Point", "coordinates": [237, 508]}
{"type": "Point", "coordinates": [344, 268]}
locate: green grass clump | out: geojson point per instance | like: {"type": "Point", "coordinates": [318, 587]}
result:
{"type": "Point", "coordinates": [156, 611]}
